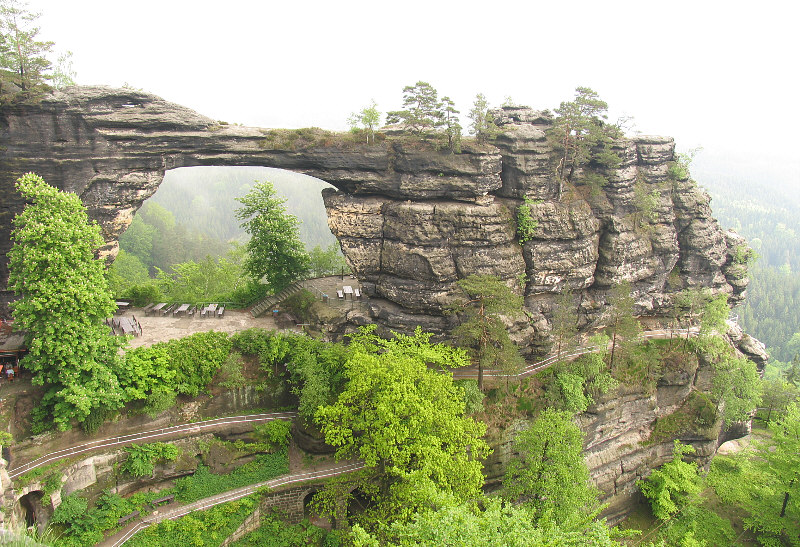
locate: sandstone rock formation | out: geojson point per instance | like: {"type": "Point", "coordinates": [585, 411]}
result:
{"type": "Point", "coordinates": [413, 220]}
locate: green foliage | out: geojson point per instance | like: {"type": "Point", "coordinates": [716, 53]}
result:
{"type": "Point", "coordinates": [452, 129]}
{"type": "Point", "coordinates": [678, 169]}
{"type": "Point", "coordinates": [581, 137]}
{"type": "Point", "coordinates": [473, 396]}
{"type": "Point", "coordinates": [497, 523]}
{"type": "Point", "coordinates": [646, 203]}
{"type": "Point", "coordinates": [6, 439]}
{"type": "Point", "coordinates": [673, 485]}
{"type": "Point", "coordinates": [765, 483]}
{"type": "Point", "coordinates": [526, 224]}
{"type": "Point", "coordinates": [697, 414]}
{"type": "Point", "coordinates": [737, 384]}
{"type": "Point", "coordinates": [277, 432]}
{"type": "Point", "coordinates": [422, 110]}
{"type": "Point", "coordinates": [327, 262]}
{"type": "Point", "coordinates": [299, 304]}
{"type": "Point", "coordinates": [181, 366]}
{"type": "Point", "coordinates": [549, 476]}
{"type": "Point", "coordinates": [369, 118]}
{"type": "Point", "coordinates": [275, 254]}
{"type": "Point", "coordinates": [72, 508]}
{"type": "Point", "coordinates": [482, 126]}
{"type": "Point", "coordinates": [211, 279]}
{"type": "Point", "coordinates": [482, 328]}
{"type": "Point", "coordinates": [622, 326]}
{"type": "Point", "coordinates": [22, 57]}
{"type": "Point", "coordinates": [142, 457]}
{"type": "Point", "coordinates": [575, 384]}
{"type": "Point", "coordinates": [126, 272]}
{"type": "Point", "coordinates": [407, 423]}
{"type": "Point", "coordinates": [64, 300]}
{"type": "Point", "coordinates": [273, 532]}
{"type": "Point", "coordinates": [210, 527]}
{"type": "Point", "coordinates": [230, 374]}
{"type": "Point", "coordinates": [203, 483]}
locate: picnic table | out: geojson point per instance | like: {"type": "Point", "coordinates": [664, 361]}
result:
{"type": "Point", "coordinates": [347, 289]}
{"type": "Point", "coordinates": [158, 308]}
{"type": "Point", "coordinates": [122, 306]}
{"type": "Point", "coordinates": [182, 309]}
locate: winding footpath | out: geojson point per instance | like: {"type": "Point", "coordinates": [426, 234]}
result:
{"type": "Point", "coordinates": [149, 436]}
{"type": "Point", "coordinates": [129, 531]}
{"type": "Point", "coordinates": [232, 495]}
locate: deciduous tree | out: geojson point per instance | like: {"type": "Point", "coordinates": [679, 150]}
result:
{"type": "Point", "coordinates": [368, 118]}
{"type": "Point", "coordinates": [64, 301]}
{"type": "Point", "coordinates": [407, 423]}
{"type": "Point", "coordinates": [673, 485]}
{"type": "Point", "coordinates": [549, 476]}
{"type": "Point", "coordinates": [275, 254]}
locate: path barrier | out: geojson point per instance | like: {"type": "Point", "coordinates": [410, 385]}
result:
{"type": "Point", "coordinates": [233, 495]}
{"type": "Point", "coordinates": [18, 470]}
{"type": "Point", "coordinates": [577, 352]}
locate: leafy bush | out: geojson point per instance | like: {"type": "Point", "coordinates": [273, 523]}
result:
{"type": "Point", "coordinates": [230, 373]}
{"type": "Point", "coordinates": [142, 457]}
{"type": "Point", "coordinates": [277, 432]}
{"type": "Point", "coordinates": [299, 303]}
{"type": "Point", "coordinates": [204, 483]}
{"type": "Point", "coordinates": [473, 397]}
{"type": "Point", "coordinates": [141, 295]}
{"type": "Point", "coordinates": [209, 527]}
{"type": "Point", "coordinates": [273, 532]}
{"type": "Point", "coordinates": [526, 224]}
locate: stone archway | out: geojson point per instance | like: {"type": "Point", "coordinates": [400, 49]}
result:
{"type": "Point", "coordinates": [30, 510]}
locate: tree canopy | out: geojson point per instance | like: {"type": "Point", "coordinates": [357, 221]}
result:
{"type": "Point", "coordinates": [486, 300]}
{"type": "Point", "coordinates": [550, 476]}
{"type": "Point", "coordinates": [407, 423]}
{"type": "Point", "coordinates": [64, 301]}
{"type": "Point", "coordinates": [275, 254]}
{"type": "Point", "coordinates": [22, 54]}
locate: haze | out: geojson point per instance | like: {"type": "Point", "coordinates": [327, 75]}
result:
{"type": "Point", "coordinates": [717, 75]}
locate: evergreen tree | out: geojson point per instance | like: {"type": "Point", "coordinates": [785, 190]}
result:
{"type": "Point", "coordinates": [482, 126]}
{"type": "Point", "coordinates": [451, 126]}
{"type": "Point", "coordinates": [580, 135]}
{"type": "Point", "coordinates": [622, 325]}
{"type": "Point", "coordinates": [482, 328]}
{"type": "Point", "coordinates": [20, 50]}
{"type": "Point", "coordinates": [422, 112]}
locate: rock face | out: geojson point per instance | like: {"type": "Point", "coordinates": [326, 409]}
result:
{"type": "Point", "coordinates": [413, 220]}
{"type": "Point", "coordinates": [409, 247]}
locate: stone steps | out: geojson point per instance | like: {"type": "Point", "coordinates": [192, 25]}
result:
{"type": "Point", "coordinates": [266, 303]}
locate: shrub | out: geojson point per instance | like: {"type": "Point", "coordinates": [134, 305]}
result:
{"type": "Point", "coordinates": [141, 458]}
{"type": "Point", "coordinates": [526, 224]}
{"type": "Point", "coordinates": [277, 432]}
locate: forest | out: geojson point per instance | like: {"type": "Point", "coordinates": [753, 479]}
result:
{"type": "Point", "coordinates": [764, 207]}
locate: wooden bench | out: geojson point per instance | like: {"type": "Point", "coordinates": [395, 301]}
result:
{"type": "Point", "coordinates": [148, 307]}
{"type": "Point", "coordinates": [357, 293]}
{"type": "Point", "coordinates": [220, 312]}
{"type": "Point", "coordinates": [340, 294]}
{"type": "Point", "coordinates": [126, 518]}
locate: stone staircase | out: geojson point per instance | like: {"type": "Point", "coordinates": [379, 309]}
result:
{"type": "Point", "coordinates": [268, 302]}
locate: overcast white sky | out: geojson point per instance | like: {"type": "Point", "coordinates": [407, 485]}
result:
{"type": "Point", "coordinates": [718, 74]}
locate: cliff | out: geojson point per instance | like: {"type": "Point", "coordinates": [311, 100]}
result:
{"type": "Point", "coordinates": [413, 220]}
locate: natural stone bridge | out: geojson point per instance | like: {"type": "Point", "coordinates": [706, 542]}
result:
{"type": "Point", "coordinates": [412, 220]}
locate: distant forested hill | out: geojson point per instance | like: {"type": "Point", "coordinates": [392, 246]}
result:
{"type": "Point", "coordinates": [204, 199]}
{"type": "Point", "coordinates": [762, 204]}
